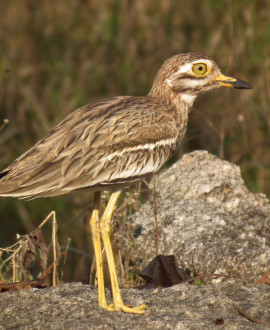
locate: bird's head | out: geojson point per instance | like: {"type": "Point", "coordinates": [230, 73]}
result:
{"type": "Point", "coordinates": [192, 74]}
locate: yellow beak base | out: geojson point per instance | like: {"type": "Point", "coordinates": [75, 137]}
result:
{"type": "Point", "coordinates": [226, 81]}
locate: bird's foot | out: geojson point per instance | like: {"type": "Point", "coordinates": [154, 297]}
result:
{"type": "Point", "coordinates": [123, 308]}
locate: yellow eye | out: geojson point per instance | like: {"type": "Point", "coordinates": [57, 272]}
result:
{"type": "Point", "coordinates": [200, 69]}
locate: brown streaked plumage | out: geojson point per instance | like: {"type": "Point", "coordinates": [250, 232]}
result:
{"type": "Point", "coordinates": [113, 143]}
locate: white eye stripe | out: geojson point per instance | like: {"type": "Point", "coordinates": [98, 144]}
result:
{"type": "Point", "coordinates": [185, 68]}
{"type": "Point", "coordinates": [188, 81]}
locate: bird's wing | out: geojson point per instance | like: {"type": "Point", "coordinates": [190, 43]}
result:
{"type": "Point", "coordinates": [114, 141]}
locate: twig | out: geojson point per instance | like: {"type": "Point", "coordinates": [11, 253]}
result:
{"type": "Point", "coordinates": [16, 248]}
{"type": "Point", "coordinates": [13, 255]}
{"type": "Point", "coordinates": [46, 219]}
{"type": "Point", "coordinates": [47, 271]}
{"type": "Point", "coordinates": [5, 122]}
{"type": "Point", "coordinates": [54, 229]}
{"type": "Point", "coordinates": [201, 277]}
{"type": "Point", "coordinates": [121, 267]}
{"type": "Point", "coordinates": [14, 269]}
{"type": "Point", "coordinates": [92, 268]}
{"type": "Point", "coordinates": [155, 214]}
{"type": "Point", "coordinates": [246, 315]}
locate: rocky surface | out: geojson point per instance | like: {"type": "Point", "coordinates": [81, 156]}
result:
{"type": "Point", "coordinates": [213, 224]}
{"type": "Point", "coordinates": [184, 306]}
{"type": "Point", "coordinates": [208, 219]}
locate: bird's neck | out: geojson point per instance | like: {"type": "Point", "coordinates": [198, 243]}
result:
{"type": "Point", "coordinates": [178, 105]}
{"type": "Point", "coordinates": [181, 102]}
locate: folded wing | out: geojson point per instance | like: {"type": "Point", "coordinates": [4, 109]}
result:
{"type": "Point", "coordinates": [113, 142]}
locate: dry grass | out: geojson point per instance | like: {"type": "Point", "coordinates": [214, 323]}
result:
{"type": "Point", "coordinates": [56, 56]}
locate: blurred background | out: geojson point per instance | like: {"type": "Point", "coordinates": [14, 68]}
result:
{"type": "Point", "coordinates": [59, 55]}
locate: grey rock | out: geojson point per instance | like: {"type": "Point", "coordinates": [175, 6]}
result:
{"type": "Point", "coordinates": [184, 306]}
{"type": "Point", "coordinates": [208, 219]}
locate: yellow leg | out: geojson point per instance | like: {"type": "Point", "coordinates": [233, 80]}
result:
{"type": "Point", "coordinates": [118, 304]}
{"type": "Point", "coordinates": [95, 231]}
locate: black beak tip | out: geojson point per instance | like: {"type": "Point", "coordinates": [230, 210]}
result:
{"type": "Point", "coordinates": [240, 84]}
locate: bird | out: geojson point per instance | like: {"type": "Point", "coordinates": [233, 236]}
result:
{"type": "Point", "coordinates": [112, 144]}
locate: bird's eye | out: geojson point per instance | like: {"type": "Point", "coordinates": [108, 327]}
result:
{"type": "Point", "coordinates": [200, 69]}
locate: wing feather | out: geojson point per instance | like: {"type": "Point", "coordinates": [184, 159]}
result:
{"type": "Point", "coordinates": [112, 142]}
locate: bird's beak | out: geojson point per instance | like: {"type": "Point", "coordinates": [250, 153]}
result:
{"type": "Point", "coordinates": [226, 81]}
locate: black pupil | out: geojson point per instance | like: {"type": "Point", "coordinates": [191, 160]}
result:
{"type": "Point", "coordinates": [200, 68]}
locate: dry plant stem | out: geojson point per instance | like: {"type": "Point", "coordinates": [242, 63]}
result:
{"type": "Point", "coordinates": [13, 257]}
{"type": "Point", "coordinates": [5, 122]}
{"type": "Point", "coordinates": [154, 207]}
{"type": "Point", "coordinates": [155, 214]}
{"type": "Point", "coordinates": [248, 316]}
{"type": "Point", "coordinates": [54, 229]}
{"type": "Point", "coordinates": [14, 268]}
{"type": "Point", "coordinates": [122, 268]}
{"type": "Point", "coordinates": [92, 268]}
{"type": "Point", "coordinates": [51, 214]}
{"type": "Point", "coordinates": [54, 225]}
{"type": "Point", "coordinates": [202, 277]}
{"type": "Point", "coordinates": [14, 250]}
{"type": "Point", "coordinates": [11, 248]}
